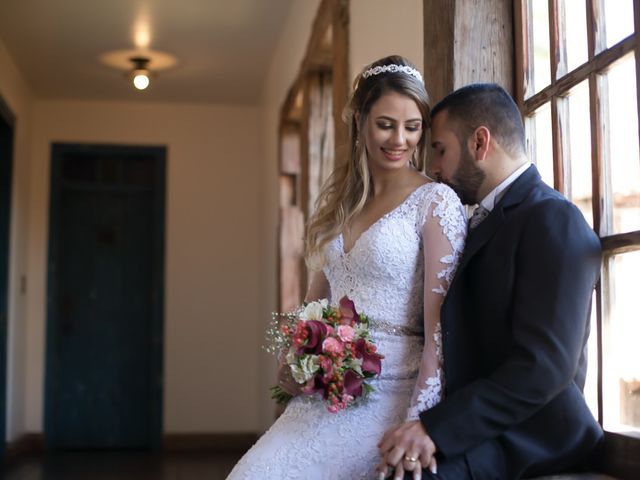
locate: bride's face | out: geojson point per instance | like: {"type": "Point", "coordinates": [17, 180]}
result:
{"type": "Point", "coordinates": [392, 131]}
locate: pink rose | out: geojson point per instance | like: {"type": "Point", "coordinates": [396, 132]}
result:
{"type": "Point", "coordinates": [346, 333]}
{"type": "Point", "coordinates": [332, 345]}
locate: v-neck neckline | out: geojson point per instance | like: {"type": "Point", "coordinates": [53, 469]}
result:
{"type": "Point", "coordinates": [377, 221]}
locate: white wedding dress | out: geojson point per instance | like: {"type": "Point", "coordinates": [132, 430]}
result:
{"type": "Point", "coordinates": [399, 268]}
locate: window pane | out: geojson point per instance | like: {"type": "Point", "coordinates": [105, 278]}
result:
{"type": "Point", "coordinates": [621, 364]}
{"type": "Point", "coordinates": [623, 159]}
{"type": "Point", "coordinates": [591, 382]}
{"type": "Point", "coordinates": [576, 33]}
{"type": "Point", "coordinates": [618, 19]}
{"type": "Point", "coordinates": [540, 142]}
{"type": "Point", "coordinates": [539, 28]}
{"type": "Point", "coordinates": [579, 155]}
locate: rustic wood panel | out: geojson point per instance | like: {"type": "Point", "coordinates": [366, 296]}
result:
{"type": "Point", "coordinates": [620, 455]}
{"type": "Point", "coordinates": [439, 42]}
{"type": "Point", "coordinates": [321, 151]}
{"type": "Point", "coordinates": [290, 149]}
{"type": "Point", "coordinates": [621, 243]}
{"type": "Point", "coordinates": [304, 162]}
{"type": "Point", "coordinates": [636, 21]}
{"type": "Point", "coordinates": [554, 40]}
{"type": "Point", "coordinates": [291, 268]}
{"type": "Point", "coordinates": [341, 82]}
{"type": "Point", "coordinates": [327, 53]}
{"type": "Point", "coordinates": [483, 43]}
{"type": "Point", "coordinates": [522, 54]}
{"type": "Point", "coordinates": [287, 185]}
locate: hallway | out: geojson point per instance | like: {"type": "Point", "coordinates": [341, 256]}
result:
{"type": "Point", "coordinates": [126, 465]}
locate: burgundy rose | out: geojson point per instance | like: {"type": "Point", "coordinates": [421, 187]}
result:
{"type": "Point", "coordinates": [348, 311]}
{"type": "Point", "coordinates": [353, 383]}
{"type": "Point", "coordinates": [370, 361]}
{"type": "Point", "coordinates": [317, 332]}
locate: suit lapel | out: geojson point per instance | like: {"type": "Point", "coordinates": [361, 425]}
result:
{"type": "Point", "coordinates": [480, 235]}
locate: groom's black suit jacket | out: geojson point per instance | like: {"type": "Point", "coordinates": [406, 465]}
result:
{"type": "Point", "coordinates": [515, 323]}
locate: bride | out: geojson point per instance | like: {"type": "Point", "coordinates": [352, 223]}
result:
{"type": "Point", "coordinates": [389, 238]}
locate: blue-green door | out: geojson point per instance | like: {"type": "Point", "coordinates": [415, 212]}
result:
{"type": "Point", "coordinates": [105, 279]}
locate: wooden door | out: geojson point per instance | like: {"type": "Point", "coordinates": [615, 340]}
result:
{"type": "Point", "coordinates": [104, 316]}
{"type": "Point", "coordinates": [6, 164]}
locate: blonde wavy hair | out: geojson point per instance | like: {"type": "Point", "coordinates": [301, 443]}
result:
{"type": "Point", "coordinates": [346, 191]}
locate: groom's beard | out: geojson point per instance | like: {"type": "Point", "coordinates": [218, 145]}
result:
{"type": "Point", "coordinates": [467, 179]}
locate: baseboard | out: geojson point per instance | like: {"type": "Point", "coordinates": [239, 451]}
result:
{"type": "Point", "coordinates": [24, 446]}
{"type": "Point", "coordinates": [180, 442]}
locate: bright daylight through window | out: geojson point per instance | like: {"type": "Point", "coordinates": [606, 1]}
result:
{"type": "Point", "coordinates": [577, 89]}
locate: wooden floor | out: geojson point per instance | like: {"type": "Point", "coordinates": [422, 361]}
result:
{"type": "Point", "coordinates": [124, 465]}
{"type": "Point", "coordinates": [127, 465]}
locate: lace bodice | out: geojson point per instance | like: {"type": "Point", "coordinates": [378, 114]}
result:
{"type": "Point", "coordinates": [397, 274]}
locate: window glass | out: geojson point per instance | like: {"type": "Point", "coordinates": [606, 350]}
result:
{"type": "Point", "coordinates": [575, 35]}
{"type": "Point", "coordinates": [623, 161]}
{"type": "Point", "coordinates": [591, 383]}
{"type": "Point", "coordinates": [618, 20]}
{"type": "Point", "coordinates": [578, 157]}
{"type": "Point", "coordinates": [621, 364]}
{"type": "Point", "coordinates": [539, 142]}
{"type": "Point", "coordinates": [539, 28]}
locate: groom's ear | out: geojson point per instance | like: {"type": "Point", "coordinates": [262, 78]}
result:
{"type": "Point", "coordinates": [480, 140]}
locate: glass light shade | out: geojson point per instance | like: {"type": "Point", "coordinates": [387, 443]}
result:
{"type": "Point", "coordinates": [140, 79]}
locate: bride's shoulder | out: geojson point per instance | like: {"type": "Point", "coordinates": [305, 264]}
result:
{"type": "Point", "coordinates": [437, 192]}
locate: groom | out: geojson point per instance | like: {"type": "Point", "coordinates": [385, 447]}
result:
{"type": "Point", "coordinates": [515, 320]}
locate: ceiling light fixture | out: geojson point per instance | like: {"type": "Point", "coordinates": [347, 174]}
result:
{"type": "Point", "coordinates": [139, 66]}
{"type": "Point", "coordinates": [140, 73]}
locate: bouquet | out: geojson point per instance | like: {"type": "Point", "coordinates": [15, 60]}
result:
{"type": "Point", "coordinates": [328, 351]}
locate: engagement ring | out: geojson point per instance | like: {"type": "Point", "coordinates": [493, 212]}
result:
{"type": "Point", "coordinates": [410, 459]}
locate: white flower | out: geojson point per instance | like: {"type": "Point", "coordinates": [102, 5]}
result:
{"type": "Point", "coordinates": [313, 311]}
{"type": "Point", "coordinates": [307, 368]}
{"type": "Point", "coordinates": [355, 364]}
{"type": "Point", "coordinates": [291, 356]}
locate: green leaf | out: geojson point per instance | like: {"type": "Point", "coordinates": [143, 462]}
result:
{"type": "Point", "coordinates": [279, 395]}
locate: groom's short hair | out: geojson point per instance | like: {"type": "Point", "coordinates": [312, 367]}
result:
{"type": "Point", "coordinates": [489, 105]}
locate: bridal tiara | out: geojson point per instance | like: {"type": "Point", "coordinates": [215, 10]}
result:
{"type": "Point", "coordinates": [392, 68]}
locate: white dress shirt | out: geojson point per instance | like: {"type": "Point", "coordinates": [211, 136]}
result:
{"type": "Point", "coordinates": [495, 195]}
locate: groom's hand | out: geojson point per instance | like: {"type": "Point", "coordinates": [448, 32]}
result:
{"type": "Point", "coordinates": [404, 443]}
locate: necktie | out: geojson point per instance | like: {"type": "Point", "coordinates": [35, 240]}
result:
{"type": "Point", "coordinates": [479, 214]}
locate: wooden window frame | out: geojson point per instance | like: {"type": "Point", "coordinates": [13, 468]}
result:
{"type": "Point", "coordinates": [621, 452]}
{"type": "Point", "coordinates": [332, 18]}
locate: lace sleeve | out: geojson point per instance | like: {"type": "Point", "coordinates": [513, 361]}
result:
{"type": "Point", "coordinates": [443, 233]}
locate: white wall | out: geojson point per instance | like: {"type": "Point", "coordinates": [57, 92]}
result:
{"type": "Point", "coordinates": [221, 224]}
{"type": "Point", "coordinates": [214, 241]}
{"type": "Point", "coordinates": [380, 28]}
{"type": "Point", "coordinates": [16, 94]}
{"type": "Point", "coordinates": [221, 246]}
